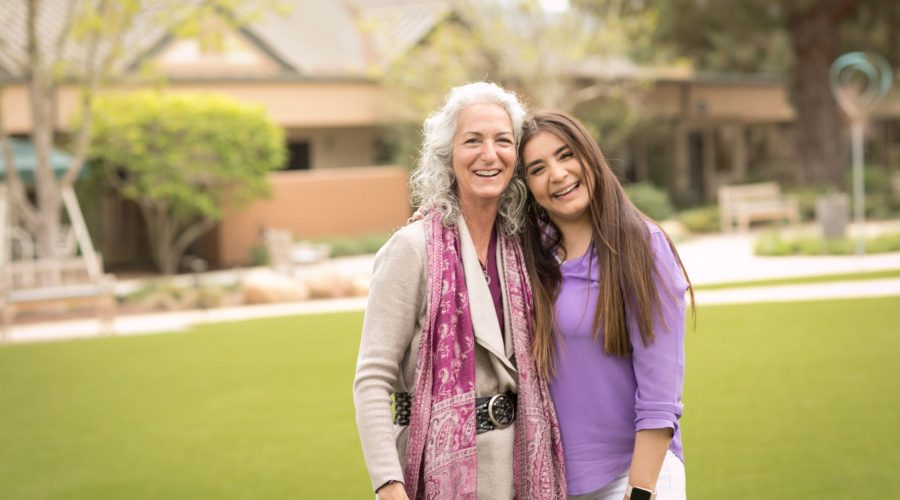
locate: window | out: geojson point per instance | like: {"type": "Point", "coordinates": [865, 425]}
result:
{"type": "Point", "coordinates": [298, 156]}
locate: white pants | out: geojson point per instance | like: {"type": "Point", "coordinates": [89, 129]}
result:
{"type": "Point", "coordinates": [669, 486]}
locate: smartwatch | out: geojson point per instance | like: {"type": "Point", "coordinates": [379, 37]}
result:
{"type": "Point", "coordinates": [638, 493]}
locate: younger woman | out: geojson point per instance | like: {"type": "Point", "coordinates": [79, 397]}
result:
{"type": "Point", "coordinates": [609, 318]}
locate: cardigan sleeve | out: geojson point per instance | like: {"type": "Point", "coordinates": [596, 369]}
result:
{"type": "Point", "coordinates": [396, 295]}
{"type": "Point", "coordinates": [659, 367]}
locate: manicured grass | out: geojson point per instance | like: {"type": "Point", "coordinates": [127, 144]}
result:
{"type": "Point", "coordinates": [255, 410]}
{"type": "Point", "coordinates": [802, 280]}
{"type": "Point", "coordinates": [789, 400]}
{"type": "Point", "coordinates": [794, 400]}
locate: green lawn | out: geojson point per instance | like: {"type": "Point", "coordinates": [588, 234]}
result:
{"type": "Point", "coordinates": [792, 400]}
{"type": "Point", "coordinates": [804, 280]}
{"type": "Point", "coordinates": [255, 410]}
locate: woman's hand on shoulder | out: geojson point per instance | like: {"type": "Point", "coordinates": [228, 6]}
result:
{"type": "Point", "coordinates": [419, 214]}
{"type": "Point", "coordinates": [393, 491]}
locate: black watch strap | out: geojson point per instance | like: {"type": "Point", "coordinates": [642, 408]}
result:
{"type": "Point", "coordinates": [637, 493]}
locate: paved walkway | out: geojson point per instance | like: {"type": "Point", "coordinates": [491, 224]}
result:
{"type": "Point", "coordinates": [179, 321]}
{"type": "Point", "coordinates": [729, 258]}
{"type": "Point", "coordinates": [710, 259]}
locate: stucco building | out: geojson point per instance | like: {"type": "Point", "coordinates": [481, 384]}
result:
{"type": "Point", "coordinates": [315, 69]}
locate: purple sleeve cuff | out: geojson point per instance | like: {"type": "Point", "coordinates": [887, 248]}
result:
{"type": "Point", "coordinates": [662, 422]}
{"type": "Point", "coordinates": [656, 415]}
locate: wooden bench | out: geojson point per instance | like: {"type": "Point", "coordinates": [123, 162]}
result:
{"type": "Point", "coordinates": [62, 280]}
{"type": "Point", "coordinates": [746, 203]}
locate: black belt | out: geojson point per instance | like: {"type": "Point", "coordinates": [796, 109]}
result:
{"type": "Point", "coordinates": [491, 412]}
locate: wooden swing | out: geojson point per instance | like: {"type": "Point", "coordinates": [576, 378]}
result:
{"type": "Point", "coordinates": [71, 276]}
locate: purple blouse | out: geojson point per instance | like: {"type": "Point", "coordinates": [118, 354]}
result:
{"type": "Point", "coordinates": [602, 401]}
{"type": "Point", "coordinates": [494, 281]}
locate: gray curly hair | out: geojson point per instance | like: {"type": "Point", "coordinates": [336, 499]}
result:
{"type": "Point", "coordinates": [433, 184]}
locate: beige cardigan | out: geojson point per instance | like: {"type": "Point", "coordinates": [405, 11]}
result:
{"type": "Point", "coordinates": [388, 350]}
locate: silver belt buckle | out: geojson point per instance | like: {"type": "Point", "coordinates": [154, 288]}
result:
{"type": "Point", "coordinates": [490, 408]}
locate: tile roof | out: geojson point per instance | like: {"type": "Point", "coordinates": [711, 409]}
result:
{"type": "Point", "coordinates": [148, 30]}
{"type": "Point", "coordinates": [312, 39]}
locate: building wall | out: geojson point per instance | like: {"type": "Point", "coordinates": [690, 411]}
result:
{"type": "Point", "coordinates": [341, 121]}
{"type": "Point", "coordinates": [339, 147]}
{"type": "Point", "coordinates": [702, 101]}
{"type": "Point", "coordinates": [304, 104]}
{"type": "Point", "coordinates": [749, 103]}
{"type": "Point", "coordinates": [314, 204]}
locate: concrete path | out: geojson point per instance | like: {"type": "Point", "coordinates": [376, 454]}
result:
{"type": "Point", "coordinates": [729, 258]}
{"type": "Point", "coordinates": [178, 321]}
{"type": "Point", "coordinates": [709, 259]}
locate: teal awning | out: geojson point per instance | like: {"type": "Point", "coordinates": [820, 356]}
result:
{"type": "Point", "coordinates": [26, 161]}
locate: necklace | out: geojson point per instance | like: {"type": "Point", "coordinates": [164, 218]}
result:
{"type": "Point", "coordinates": [487, 277]}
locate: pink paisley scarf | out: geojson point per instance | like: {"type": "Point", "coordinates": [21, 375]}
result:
{"type": "Point", "coordinates": [441, 460]}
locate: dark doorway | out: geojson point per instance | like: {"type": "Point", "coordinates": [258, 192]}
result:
{"type": "Point", "coordinates": [696, 146]}
{"type": "Point", "coordinates": [298, 156]}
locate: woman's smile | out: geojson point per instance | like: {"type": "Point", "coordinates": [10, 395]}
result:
{"type": "Point", "coordinates": [565, 192]}
{"type": "Point", "coordinates": [555, 178]}
{"type": "Point", "coordinates": [484, 154]}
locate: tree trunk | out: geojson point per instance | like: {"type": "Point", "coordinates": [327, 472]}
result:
{"type": "Point", "coordinates": [158, 233]}
{"type": "Point", "coordinates": [819, 138]}
{"type": "Point", "coordinates": [169, 240]}
{"type": "Point", "coordinates": [40, 93]}
{"type": "Point", "coordinates": [166, 261]}
{"type": "Point", "coordinates": [818, 133]}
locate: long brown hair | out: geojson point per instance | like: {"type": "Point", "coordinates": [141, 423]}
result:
{"type": "Point", "coordinates": [621, 239]}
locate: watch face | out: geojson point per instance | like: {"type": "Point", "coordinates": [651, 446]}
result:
{"type": "Point", "coordinates": [639, 494]}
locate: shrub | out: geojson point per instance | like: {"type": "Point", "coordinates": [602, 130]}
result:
{"type": "Point", "coordinates": [882, 205]}
{"type": "Point", "coordinates": [164, 295]}
{"type": "Point", "coordinates": [881, 202]}
{"type": "Point", "coordinates": [341, 247]}
{"type": "Point", "coordinates": [806, 200]}
{"type": "Point", "coordinates": [773, 244]}
{"type": "Point", "coordinates": [259, 255]}
{"type": "Point", "coordinates": [701, 219]}
{"type": "Point", "coordinates": [884, 243]}
{"type": "Point", "coordinates": [359, 245]}
{"type": "Point", "coordinates": [184, 159]}
{"type": "Point", "coordinates": [651, 200]}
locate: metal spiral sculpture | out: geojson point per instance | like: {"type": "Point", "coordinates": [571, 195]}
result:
{"type": "Point", "coordinates": [859, 81]}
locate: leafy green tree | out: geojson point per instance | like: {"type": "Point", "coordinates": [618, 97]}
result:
{"type": "Point", "coordinates": [798, 39]}
{"type": "Point", "coordinates": [95, 30]}
{"type": "Point", "coordinates": [183, 159]}
{"type": "Point", "coordinates": [85, 47]}
{"type": "Point", "coordinates": [556, 60]}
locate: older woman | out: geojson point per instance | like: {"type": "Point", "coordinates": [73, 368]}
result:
{"type": "Point", "coordinates": [447, 327]}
